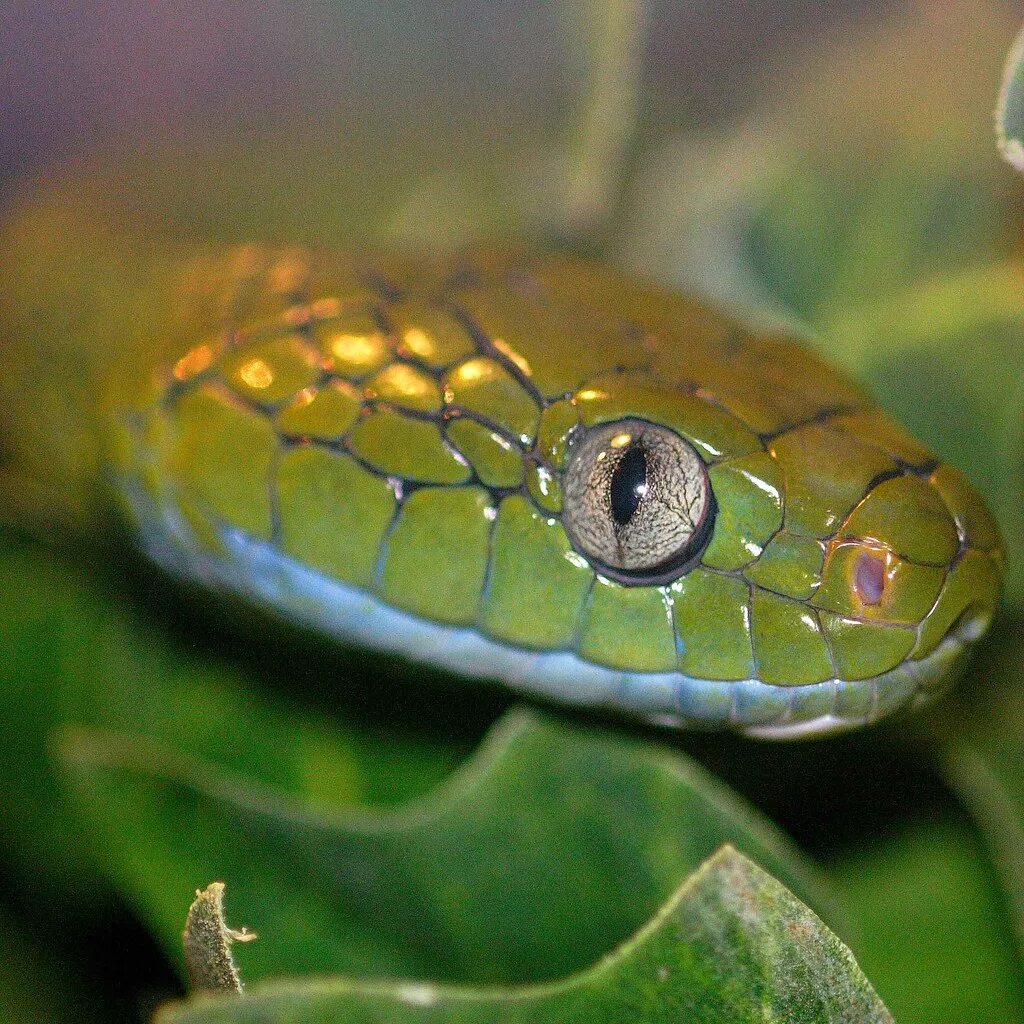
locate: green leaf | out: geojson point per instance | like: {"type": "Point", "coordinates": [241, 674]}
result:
{"type": "Point", "coordinates": [511, 871]}
{"type": "Point", "coordinates": [860, 168]}
{"type": "Point", "coordinates": [730, 945]}
{"type": "Point", "coordinates": [80, 647]}
{"type": "Point", "coordinates": [989, 780]}
{"type": "Point", "coordinates": [1010, 108]}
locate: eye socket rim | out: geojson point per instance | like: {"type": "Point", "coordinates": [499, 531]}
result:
{"type": "Point", "coordinates": [678, 564]}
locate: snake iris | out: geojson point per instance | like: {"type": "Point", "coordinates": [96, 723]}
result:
{"type": "Point", "coordinates": [542, 472]}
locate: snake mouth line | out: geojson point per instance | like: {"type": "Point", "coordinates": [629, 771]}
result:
{"type": "Point", "coordinates": [907, 687]}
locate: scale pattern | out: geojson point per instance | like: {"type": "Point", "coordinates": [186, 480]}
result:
{"type": "Point", "coordinates": [401, 426]}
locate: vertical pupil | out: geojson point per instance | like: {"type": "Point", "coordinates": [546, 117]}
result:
{"type": "Point", "coordinates": [629, 484]}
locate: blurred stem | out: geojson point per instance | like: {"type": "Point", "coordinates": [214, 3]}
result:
{"type": "Point", "coordinates": [605, 42]}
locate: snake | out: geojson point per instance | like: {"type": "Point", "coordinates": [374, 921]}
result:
{"type": "Point", "coordinates": [529, 469]}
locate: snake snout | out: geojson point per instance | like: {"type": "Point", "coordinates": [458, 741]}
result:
{"type": "Point", "coordinates": [917, 565]}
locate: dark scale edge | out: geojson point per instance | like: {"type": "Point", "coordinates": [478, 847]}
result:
{"type": "Point", "coordinates": [488, 350]}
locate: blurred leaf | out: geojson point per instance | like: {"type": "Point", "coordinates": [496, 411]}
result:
{"type": "Point", "coordinates": [1010, 108]}
{"type": "Point", "coordinates": [512, 871]}
{"type": "Point", "coordinates": [730, 945]}
{"type": "Point", "coordinates": [863, 166]}
{"type": "Point", "coordinates": [824, 241]}
{"type": "Point", "coordinates": [983, 742]}
{"type": "Point", "coordinates": [77, 649]}
{"type": "Point", "coordinates": [928, 925]}
{"type": "Point", "coordinates": [988, 778]}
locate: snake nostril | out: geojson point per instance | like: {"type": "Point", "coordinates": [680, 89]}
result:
{"type": "Point", "coordinates": [869, 577]}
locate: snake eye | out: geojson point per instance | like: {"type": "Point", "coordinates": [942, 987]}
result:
{"type": "Point", "coordinates": [637, 502]}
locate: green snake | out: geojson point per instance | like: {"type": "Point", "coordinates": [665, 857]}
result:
{"type": "Point", "coordinates": [526, 469]}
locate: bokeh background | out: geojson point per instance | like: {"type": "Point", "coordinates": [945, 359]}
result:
{"type": "Point", "coordinates": [77, 77]}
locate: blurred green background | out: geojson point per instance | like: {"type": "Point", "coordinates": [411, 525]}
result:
{"type": "Point", "coordinates": [827, 165]}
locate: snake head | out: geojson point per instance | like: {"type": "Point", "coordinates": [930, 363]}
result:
{"type": "Point", "coordinates": [587, 487]}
